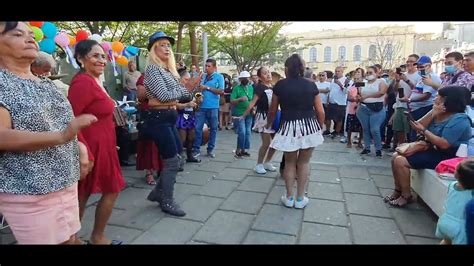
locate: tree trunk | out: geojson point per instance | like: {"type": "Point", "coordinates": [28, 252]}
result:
{"type": "Point", "coordinates": [179, 41]}
{"type": "Point", "coordinates": [193, 44]}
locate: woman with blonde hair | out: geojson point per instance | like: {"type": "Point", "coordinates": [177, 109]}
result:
{"type": "Point", "coordinates": [164, 91]}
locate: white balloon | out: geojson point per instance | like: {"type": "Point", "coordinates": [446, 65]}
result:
{"type": "Point", "coordinates": [96, 37]}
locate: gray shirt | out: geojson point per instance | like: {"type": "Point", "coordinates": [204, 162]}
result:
{"type": "Point", "coordinates": [37, 107]}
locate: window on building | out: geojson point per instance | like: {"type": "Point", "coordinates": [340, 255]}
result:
{"type": "Point", "coordinates": [342, 53]}
{"type": "Point", "coordinates": [357, 53]}
{"type": "Point", "coordinates": [372, 51]}
{"type": "Point", "coordinates": [312, 55]}
{"type": "Point", "coordinates": [327, 54]}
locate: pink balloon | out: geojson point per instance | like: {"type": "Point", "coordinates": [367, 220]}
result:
{"type": "Point", "coordinates": [106, 46]}
{"type": "Point", "coordinates": [62, 39]}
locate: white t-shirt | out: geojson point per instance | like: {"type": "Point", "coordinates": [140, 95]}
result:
{"type": "Point", "coordinates": [322, 86]}
{"type": "Point", "coordinates": [371, 89]}
{"type": "Point", "coordinates": [338, 95]}
{"type": "Point", "coordinates": [421, 88]}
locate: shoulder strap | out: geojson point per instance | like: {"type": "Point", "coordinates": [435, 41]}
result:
{"type": "Point", "coordinates": [455, 77]}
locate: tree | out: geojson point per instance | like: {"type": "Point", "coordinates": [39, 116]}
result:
{"type": "Point", "coordinates": [251, 44]}
{"type": "Point", "coordinates": [134, 33]}
{"type": "Point", "coordinates": [385, 50]}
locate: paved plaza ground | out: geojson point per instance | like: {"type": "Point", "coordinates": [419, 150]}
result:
{"type": "Point", "coordinates": [228, 203]}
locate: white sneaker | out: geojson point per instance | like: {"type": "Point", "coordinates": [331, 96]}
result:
{"type": "Point", "coordinates": [259, 169]}
{"type": "Point", "coordinates": [269, 166]}
{"type": "Point", "coordinates": [301, 204]}
{"type": "Point", "coordinates": [287, 202]}
{"type": "Point", "coordinates": [343, 140]}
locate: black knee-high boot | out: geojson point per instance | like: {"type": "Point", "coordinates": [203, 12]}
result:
{"type": "Point", "coordinates": [166, 184]}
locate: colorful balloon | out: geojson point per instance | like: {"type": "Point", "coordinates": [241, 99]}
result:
{"type": "Point", "coordinates": [72, 40]}
{"type": "Point", "coordinates": [62, 39]}
{"type": "Point", "coordinates": [132, 50]}
{"type": "Point", "coordinates": [82, 35]}
{"type": "Point", "coordinates": [106, 46]}
{"type": "Point", "coordinates": [36, 23]}
{"type": "Point", "coordinates": [38, 33]}
{"type": "Point", "coordinates": [47, 46]}
{"type": "Point", "coordinates": [49, 30]}
{"type": "Point", "coordinates": [117, 47]}
{"type": "Point", "coordinates": [121, 60]}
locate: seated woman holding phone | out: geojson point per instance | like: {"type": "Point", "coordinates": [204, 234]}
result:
{"type": "Point", "coordinates": [442, 131]}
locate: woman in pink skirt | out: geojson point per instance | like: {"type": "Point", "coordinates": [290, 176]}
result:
{"type": "Point", "coordinates": [41, 160]}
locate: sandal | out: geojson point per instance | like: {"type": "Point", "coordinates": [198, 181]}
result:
{"type": "Point", "coordinates": [402, 201]}
{"type": "Point", "coordinates": [395, 195]}
{"type": "Point", "coordinates": [150, 179]}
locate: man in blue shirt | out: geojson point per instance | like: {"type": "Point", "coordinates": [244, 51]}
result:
{"type": "Point", "coordinates": [212, 87]}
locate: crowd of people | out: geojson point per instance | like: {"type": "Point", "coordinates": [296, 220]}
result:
{"type": "Point", "coordinates": [60, 146]}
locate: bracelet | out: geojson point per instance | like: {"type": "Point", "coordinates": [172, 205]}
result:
{"type": "Point", "coordinates": [423, 131]}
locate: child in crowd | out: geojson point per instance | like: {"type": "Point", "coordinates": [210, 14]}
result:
{"type": "Point", "coordinates": [451, 226]}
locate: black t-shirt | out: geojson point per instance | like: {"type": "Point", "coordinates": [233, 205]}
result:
{"type": "Point", "coordinates": [262, 103]}
{"type": "Point", "coordinates": [296, 98]}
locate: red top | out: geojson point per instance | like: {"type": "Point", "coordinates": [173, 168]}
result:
{"type": "Point", "coordinates": [87, 97]}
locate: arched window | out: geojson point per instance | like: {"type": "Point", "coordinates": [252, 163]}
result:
{"type": "Point", "coordinates": [357, 53]}
{"type": "Point", "coordinates": [342, 53]}
{"type": "Point", "coordinates": [327, 54]}
{"type": "Point", "coordinates": [372, 51]}
{"type": "Point", "coordinates": [312, 55]}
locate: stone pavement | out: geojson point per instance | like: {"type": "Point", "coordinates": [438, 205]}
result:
{"type": "Point", "coordinates": [228, 203]}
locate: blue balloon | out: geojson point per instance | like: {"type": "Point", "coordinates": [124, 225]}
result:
{"type": "Point", "coordinates": [47, 46]}
{"type": "Point", "coordinates": [132, 50]}
{"type": "Point", "coordinates": [49, 30]}
{"type": "Point", "coordinates": [126, 54]}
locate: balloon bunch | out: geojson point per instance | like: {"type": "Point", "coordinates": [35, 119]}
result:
{"type": "Point", "coordinates": [47, 36]}
{"type": "Point", "coordinates": [44, 32]}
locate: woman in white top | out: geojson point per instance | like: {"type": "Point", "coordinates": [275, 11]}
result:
{"type": "Point", "coordinates": [370, 111]}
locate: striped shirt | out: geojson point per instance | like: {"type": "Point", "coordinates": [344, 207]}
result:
{"type": "Point", "coordinates": [162, 85]}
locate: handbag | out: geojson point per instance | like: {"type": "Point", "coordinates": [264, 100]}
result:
{"type": "Point", "coordinates": [408, 149]}
{"type": "Point", "coordinates": [120, 118]}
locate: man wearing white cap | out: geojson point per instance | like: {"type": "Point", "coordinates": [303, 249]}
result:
{"type": "Point", "coordinates": [240, 98]}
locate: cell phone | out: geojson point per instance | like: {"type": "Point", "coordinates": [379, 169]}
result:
{"type": "Point", "coordinates": [399, 70]}
{"type": "Point", "coordinates": [360, 84]}
{"type": "Point", "coordinates": [423, 72]}
{"type": "Point", "coordinates": [409, 116]}
{"type": "Point", "coordinates": [401, 93]}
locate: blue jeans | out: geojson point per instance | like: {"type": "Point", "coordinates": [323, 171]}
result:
{"type": "Point", "coordinates": [131, 95]}
{"type": "Point", "coordinates": [160, 126]}
{"type": "Point", "coordinates": [244, 130]}
{"type": "Point", "coordinates": [371, 122]}
{"type": "Point", "coordinates": [470, 222]}
{"type": "Point", "coordinates": [211, 116]}
{"type": "Point", "coordinates": [417, 114]}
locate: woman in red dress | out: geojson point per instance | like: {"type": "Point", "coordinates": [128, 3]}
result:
{"type": "Point", "coordinates": [87, 96]}
{"type": "Point", "coordinates": [148, 158]}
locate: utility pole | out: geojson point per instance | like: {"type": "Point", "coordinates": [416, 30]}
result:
{"type": "Point", "coordinates": [204, 50]}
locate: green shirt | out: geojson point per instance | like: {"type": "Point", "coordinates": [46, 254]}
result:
{"type": "Point", "coordinates": [241, 91]}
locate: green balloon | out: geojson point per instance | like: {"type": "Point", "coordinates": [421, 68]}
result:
{"type": "Point", "coordinates": [38, 33]}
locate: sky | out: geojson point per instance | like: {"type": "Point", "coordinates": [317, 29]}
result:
{"type": "Point", "coordinates": [420, 27]}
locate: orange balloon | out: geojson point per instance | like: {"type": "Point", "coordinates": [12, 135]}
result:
{"type": "Point", "coordinates": [37, 23]}
{"type": "Point", "coordinates": [121, 60]}
{"type": "Point", "coordinates": [72, 40]}
{"type": "Point", "coordinates": [117, 47]}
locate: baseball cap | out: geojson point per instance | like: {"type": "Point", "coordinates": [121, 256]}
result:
{"type": "Point", "coordinates": [244, 74]}
{"type": "Point", "coordinates": [423, 60]}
